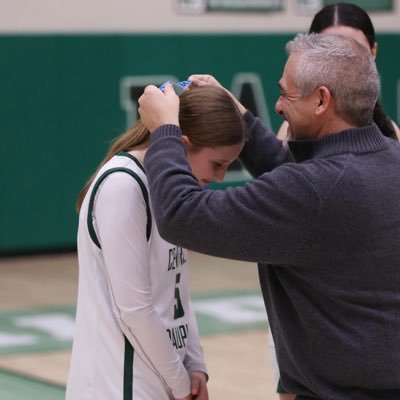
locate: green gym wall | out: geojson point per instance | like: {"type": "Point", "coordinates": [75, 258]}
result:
{"type": "Point", "coordinates": [60, 106]}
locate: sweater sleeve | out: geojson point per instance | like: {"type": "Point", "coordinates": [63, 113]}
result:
{"type": "Point", "coordinates": [263, 151]}
{"type": "Point", "coordinates": [120, 214]}
{"type": "Point", "coordinates": [270, 220]}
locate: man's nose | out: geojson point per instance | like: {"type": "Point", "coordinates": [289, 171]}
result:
{"type": "Point", "coordinates": [278, 106]}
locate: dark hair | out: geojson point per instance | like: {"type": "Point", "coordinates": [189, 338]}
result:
{"type": "Point", "coordinates": [347, 14]}
{"type": "Point", "coordinates": [208, 116]}
{"type": "Point", "coordinates": [344, 14]}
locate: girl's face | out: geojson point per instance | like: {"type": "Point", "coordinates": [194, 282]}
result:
{"type": "Point", "coordinates": [211, 163]}
{"type": "Point", "coordinates": [353, 33]}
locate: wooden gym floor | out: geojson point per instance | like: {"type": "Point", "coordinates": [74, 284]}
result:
{"type": "Point", "coordinates": [237, 353]}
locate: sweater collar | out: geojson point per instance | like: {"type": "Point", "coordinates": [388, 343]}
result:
{"type": "Point", "coordinates": [355, 140]}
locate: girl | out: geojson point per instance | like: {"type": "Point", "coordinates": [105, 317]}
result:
{"type": "Point", "coordinates": [136, 335]}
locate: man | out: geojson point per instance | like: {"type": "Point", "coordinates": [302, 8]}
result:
{"type": "Point", "coordinates": [324, 229]}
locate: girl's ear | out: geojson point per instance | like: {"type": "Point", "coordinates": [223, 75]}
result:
{"type": "Point", "coordinates": [187, 142]}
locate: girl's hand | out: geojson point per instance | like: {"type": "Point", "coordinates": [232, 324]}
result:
{"type": "Point", "coordinates": [198, 386]}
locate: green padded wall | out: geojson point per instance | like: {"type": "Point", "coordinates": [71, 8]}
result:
{"type": "Point", "coordinates": [60, 107]}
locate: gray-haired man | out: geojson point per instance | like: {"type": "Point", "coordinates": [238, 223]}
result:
{"type": "Point", "coordinates": [321, 219]}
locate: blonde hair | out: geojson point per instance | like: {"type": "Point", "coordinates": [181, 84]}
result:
{"type": "Point", "coordinates": [208, 116]}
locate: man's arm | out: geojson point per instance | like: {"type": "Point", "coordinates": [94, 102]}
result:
{"type": "Point", "coordinates": [270, 220]}
{"type": "Point", "coordinates": [263, 151]}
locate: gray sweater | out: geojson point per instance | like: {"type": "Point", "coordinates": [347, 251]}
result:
{"type": "Point", "coordinates": [323, 223]}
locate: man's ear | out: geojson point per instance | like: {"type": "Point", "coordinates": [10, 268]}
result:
{"type": "Point", "coordinates": [324, 99]}
{"type": "Point", "coordinates": [187, 142]}
{"type": "Point", "coordinates": [374, 50]}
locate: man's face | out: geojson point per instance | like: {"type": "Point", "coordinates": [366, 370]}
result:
{"type": "Point", "coordinates": [297, 110]}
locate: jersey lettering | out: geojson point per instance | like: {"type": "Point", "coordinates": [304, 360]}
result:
{"type": "Point", "coordinates": [182, 255]}
{"type": "Point", "coordinates": [178, 336]}
{"type": "Point", "coordinates": [176, 258]}
{"type": "Point", "coordinates": [179, 312]}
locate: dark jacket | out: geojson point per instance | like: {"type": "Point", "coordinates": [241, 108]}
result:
{"type": "Point", "coordinates": [325, 231]}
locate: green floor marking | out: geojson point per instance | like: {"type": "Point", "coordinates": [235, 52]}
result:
{"type": "Point", "coordinates": [33, 330]}
{"type": "Point", "coordinates": [51, 329]}
{"type": "Point", "coordinates": [17, 387]}
{"type": "Point", "coordinates": [228, 312]}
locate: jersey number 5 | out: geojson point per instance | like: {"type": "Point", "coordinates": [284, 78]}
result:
{"type": "Point", "coordinates": [178, 309]}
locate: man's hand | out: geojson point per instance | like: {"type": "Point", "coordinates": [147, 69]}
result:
{"type": "Point", "coordinates": [209, 80]}
{"type": "Point", "coordinates": [198, 385]}
{"type": "Point", "coordinates": [203, 80]}
{"type": "Point", "coordinates": [157, 108]}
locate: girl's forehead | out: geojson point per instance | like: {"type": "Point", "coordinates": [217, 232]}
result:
{"type": "Point", "coordinates": [350, 32]}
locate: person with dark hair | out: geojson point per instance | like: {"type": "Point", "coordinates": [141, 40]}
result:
{"type": "Point", "coordinates": [321, 219]}
{"type": "Point", "coordinates": [349, 20]}
{"type": "Point", "coordinates": [136, 335]}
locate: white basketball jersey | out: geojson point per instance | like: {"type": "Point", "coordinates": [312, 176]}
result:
{"type": "Point", "coordinates": [136, 336]}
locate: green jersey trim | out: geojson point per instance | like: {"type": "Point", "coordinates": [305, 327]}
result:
{"type": "Point", "coordinates": [128, 369]}
{"type": "Point", "coordinates": [145, 193]}
{"type": "Point", "coordinates": [134, 159]}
